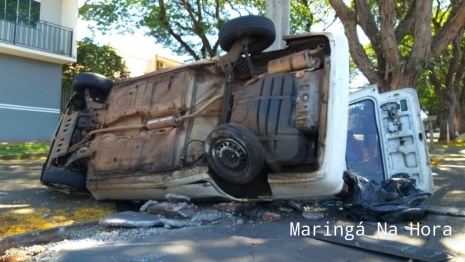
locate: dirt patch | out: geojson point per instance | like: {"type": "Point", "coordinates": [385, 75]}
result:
{"type": "Point", "coordinates": [26, 205]}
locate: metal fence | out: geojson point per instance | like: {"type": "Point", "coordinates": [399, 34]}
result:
{"type": "Point", "coordinates": [36, 34]}
{"type": "Point", "coordinates": [66, 95]}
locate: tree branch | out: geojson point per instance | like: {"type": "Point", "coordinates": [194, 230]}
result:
{"type": "Point", "coordinates": [203, 5]}
{"type": "Point", "coordinates": [450, 29]}
{"type": "Point", "coordinates": [461, 67]}
{"type": "Point", "coordinates": [436, 81]}
{"type": "Point", "coordinates": [199, 31]}
{"type": "Point", "coordinates": [406, 23]}
{"type": "Point", "coordinates": [330, 24]}
{"type": "Point", "coordinates": [199, 10]}
{"type": "Point", "coordinates": [388, 36]}
{"type": "Point", "coordinates": [368, 24]}
{"type": "Point", "coordinates": [453, 62]}
{"type": "Point", "coordinates": [422, 31]}
{"type": "Point", "coordinates": [444, 14]}
{"type": "Point", "coordinates": [181, 26]}
{"type": "Point", "coordinates": [357, 51]}
{"type": "Point", "coordinates": [166, 25]}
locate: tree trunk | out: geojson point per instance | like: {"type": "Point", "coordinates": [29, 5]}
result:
{"type": "Point", "coordinates": [446, 116]}
{"type": "Point", "coordinates": [447, 96]}
{"type": "Point", "coordinates": [460, 126]}
{"type": "Point", "coordinates": [460, 113]}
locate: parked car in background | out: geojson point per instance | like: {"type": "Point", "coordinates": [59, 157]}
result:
{"type": "Point", "coordinates": [248, 126]}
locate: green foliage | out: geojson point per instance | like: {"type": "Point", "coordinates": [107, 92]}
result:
{"type": "Point", "coordinates": [23, 148]}
{"type": "Point", "coordinates": [428, 98]}
{"type": "Point", "coordinates": [93, 58]}
{"type": "Point", "coordinates": [307, 13]}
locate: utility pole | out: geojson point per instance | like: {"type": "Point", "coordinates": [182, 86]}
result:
{"type": "Point", "coordinates": [279, 12]}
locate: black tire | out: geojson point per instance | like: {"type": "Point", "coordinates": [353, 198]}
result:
{"type": "Point", "coordinates": [58, 178]}
{"type": "Point", "coordinates": [92, 80]}
{"type": "Point", "coordinates": [234, 153]}
{"type": "Point", "coordinates": [259, 29]}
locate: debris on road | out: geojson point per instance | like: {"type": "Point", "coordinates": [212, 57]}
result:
{"type": "Point", "coordinates": [236, 206]}
{"type": "Point", "coordinates": [173, 198]}
{"type": "Point", "coordinates": [298, 205]}
{"type": "Point", "coordinates": [268, 216]}
{"type": "Point", "coordinates": [148, 204]}
{"type": "Point", "coordinates": [178, 223]}
{"type": "Point", "coordinates": [253, 213]}
{"type": "Point", "coordinates": [173, 210]}
{"type": "Point", "coordinates": [131, 219]}
{"type": "Point", "coordinates": [210, 215]}
{"type": "Point", "coordinates": [392, 201]}
{"type": "Point", "coordinates": [313, 215]}
{"type": "Point", "coordinates": [285, 209]}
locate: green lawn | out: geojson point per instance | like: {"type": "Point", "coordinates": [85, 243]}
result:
{"type": "Point", "coordinates": [26, 148]}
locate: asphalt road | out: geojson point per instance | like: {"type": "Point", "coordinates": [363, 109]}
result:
{"type": "Point", "coordinates": [22, 193]}
{"type": "Point", "coordinates": [267, 241]}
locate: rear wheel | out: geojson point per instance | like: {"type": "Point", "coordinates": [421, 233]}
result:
{"type": "Point", "coordinates": [259, 29]}
{"type": "Point", "coordinates": [234, 153]}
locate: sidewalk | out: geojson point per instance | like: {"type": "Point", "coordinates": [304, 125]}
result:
{"type": "Point", "coordinates": [449, 179]}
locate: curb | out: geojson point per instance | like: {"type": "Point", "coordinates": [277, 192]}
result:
{"type": "Point", "coordinates": [42, 236]}
{"type": "Point", "coordinates": [31, 156]}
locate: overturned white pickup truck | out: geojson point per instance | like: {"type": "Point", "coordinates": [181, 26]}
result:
{"type": "Point", "coordinates": [249, 126]}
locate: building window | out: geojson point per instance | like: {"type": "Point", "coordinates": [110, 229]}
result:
{"type": "Point", "coordinates": [24, 12]}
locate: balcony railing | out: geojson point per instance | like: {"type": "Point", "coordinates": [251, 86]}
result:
{"type": "Point", "coordinates": [36, 34]}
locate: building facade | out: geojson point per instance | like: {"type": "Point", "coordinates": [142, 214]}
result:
{"type": "Point", "coordinates": [36, 39]}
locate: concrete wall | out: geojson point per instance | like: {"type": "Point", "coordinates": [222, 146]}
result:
{"type": "Point", "coordinates": [29, 98]}
{"type": "Point", "coordinates": [69, 16]}
{"type": "Point", "coordinates": [50, 11]}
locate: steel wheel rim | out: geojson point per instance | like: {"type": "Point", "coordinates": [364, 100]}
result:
{"type": "Point", "coordinates": [230, 157]}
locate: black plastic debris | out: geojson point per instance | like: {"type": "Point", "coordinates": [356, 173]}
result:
{"type": "Point", "coordinates": [394, 200]}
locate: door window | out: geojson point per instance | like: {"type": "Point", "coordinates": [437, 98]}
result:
{"type": "Point", "coordinates": [363, 152]}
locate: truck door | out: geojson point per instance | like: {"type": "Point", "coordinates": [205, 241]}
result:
{"type": "Point", "coordinates": [385, 136]}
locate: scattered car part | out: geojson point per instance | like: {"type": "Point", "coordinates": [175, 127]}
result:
{"type": "Point", "coordinates": [394, 200]}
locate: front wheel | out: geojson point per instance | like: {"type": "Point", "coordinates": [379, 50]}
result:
{"type": "Point", "coordinates": [234, 153]}
{"type": "Point", "coordinates": [99, 85]}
